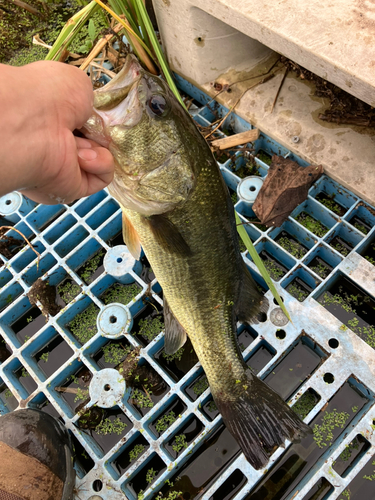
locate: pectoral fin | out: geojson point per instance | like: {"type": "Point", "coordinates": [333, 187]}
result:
{"type": "Point", "coordinates": [168, 236]}
{"type": "Point", "coordinates": [131, 237]}
{"type": "Point", "coordinates": [175, 335]}
{"type": "Point", "coordinates": [251, 302]}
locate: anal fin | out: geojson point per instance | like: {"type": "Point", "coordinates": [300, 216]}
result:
{"type": "Point", "coordinates": [251, 302]}
{"type": "Point", "coordinates": [168, 235]}
{"type": "Point", "coordinates": [175, 334]}
{"type": "Point", "coordinates": [131, 237]}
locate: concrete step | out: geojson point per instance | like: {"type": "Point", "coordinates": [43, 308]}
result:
{"type": "Point", "coordinates": [232, 40]}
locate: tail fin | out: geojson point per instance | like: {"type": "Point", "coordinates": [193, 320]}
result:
{"type": "Point", "coordinates": [258, 418]}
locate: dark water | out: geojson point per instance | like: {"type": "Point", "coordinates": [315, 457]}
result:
{"type": "Point", "coordinates": [360, 224]}
{"type": "Point", "coordinates": [197, 387]}
{"type": "Point", "coordinates": [363, 485]}
{"type": "Point", "coordinates": [5, 350]}
{"type": "Point", "coordinates": [352, 306]}
{"type": "Point", "coordinates": [139, 482]}
{"type": "Point", "coordinates": [146, 274]}
{"type": "Point", "coordinates": [148, 313]}
{"type": "Point", "coordinates": [28, 324]}
{"type": "Point", "coordinates": [177, 407]}
{"type": "Point", "coordinates": [92, 268]}
{"type": "Point", "coordinates": [53, 355]}
{"type": "Point", "coordinates": [369, 251]}
{"type": "Point", "coordinates": [123, 462]}
{"type": "Point", "coordinates": [72, 289]}
{"type": "Point", "coordinates": [154, 389]}
{"type": "Point", "coordinates": [318, 263]}
{"type": "Point", "coordinates": [107, 441]}
{"type": "Point", "coordinates": [116, 240]}
{"type": "Point", "coordinates": [320, 490]}
{"type": "Point", "coordinates": [26, 380]}
{"type": "Point", "coordinates": [177, 368]}
{"type": "Point", "coordinates": [205, 465]}
{"type": "Point", "coordinates": [274, 267]}
{"type": "Point", "coordinates": [291, 245]}
{"type": "Point", "coordinates": [329, 202]}
{"type": "Point", "coordinates": [191, 429]}
{"type": "Point", "coordinates": [48, 407]}
{"type": "Point", "coordinates": [230, 487]}
{"type": "Point", "coordinates": [7, 398]}
{"type": "Point", "coordinates": [80, 381]}
{"type": "Point", "coordinates": [110, 360]}
{"type": "Point", "coordinates": [293, 370]}
{"type": "Point", "coordinates": [341, 245]}
{"type": "Point", "coordinates": [260, 357]}
{"type": "Point", "coordinates": [279, 483]}
{"type": "Point", "coordinates": [353, 452]}
{"type": "Point", "coordinates": [299, 289]}
{"type": "Point", "coordinates": [81, 458]}
{"type": "Point", "coordinates": [210, 410]}
{"type": "Point", "coordinates": [220, 449]}
{"type": "Point", "coordinates": [246, 337]}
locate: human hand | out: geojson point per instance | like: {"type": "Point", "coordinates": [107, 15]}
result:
{"type": "Point", "coordinates": [41, 105]}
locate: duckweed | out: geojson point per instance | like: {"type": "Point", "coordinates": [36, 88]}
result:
{"type": "Point", "coordinates": [323, 433]}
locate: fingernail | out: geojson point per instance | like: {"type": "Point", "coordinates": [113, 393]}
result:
{"type": "Point", "coordinates": [87, 154]}
{"type": "Point", "coordinates": [84, 143]}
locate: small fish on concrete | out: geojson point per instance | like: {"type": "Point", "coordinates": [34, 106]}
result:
{"type": "Point", "coordinates": [176, 207]}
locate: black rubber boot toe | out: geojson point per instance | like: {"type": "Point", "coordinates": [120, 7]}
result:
{"type": "Point", "coordinates": [36, 461]}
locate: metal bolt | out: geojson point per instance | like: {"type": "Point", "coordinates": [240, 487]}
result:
{"type": "Point", "coordinates": [295, 138]}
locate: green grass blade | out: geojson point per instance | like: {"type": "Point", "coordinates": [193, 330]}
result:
{"type": "Point", "coordinates": [259, 263]}
{"type": "Point", "coordinates": [71, 30]}
{"type": "Point", "coordinates": [141, 23]}
{"type": "Point", "coordinates": [159, 53]}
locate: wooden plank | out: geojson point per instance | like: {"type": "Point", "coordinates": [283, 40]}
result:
{"type": "Point", "coordinates": [237, 139]}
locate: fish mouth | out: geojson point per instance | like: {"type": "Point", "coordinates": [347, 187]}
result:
{"type": "Point", "coordinates": [115, 91]}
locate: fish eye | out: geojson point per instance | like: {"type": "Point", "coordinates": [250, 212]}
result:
{"type": "Point", "coordinates": [157, 104]}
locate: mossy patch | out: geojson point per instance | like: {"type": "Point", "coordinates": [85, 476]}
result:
{"type": "Point", "coordinates": [304, 404]}
{"type": "Point", "coordinates": [122, 294]}
{"type": "Point", "coordinates": [83, 326]}
{"type": "Point", "coordinates": [68, 290]}
{"type": "Point", "coordinates": [17, 27]}
{"type": "Point", "coordinates": [292, 247]}
{"type": "Point", "coordinates": [312, 224]}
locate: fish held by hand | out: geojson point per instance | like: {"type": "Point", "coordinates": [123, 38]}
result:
{"type": "Point", "coordinates": [176, 207]}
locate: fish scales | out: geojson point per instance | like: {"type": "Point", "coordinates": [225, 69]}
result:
{"type": "Point", "coordinates": [203, 288]}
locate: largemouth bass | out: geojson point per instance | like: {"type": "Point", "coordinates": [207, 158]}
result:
{"type": "Point", "coordinates": [176, 207]}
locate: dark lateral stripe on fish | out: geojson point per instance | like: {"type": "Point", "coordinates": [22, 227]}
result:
{"type": "Point", "coordinates": [259, 419]}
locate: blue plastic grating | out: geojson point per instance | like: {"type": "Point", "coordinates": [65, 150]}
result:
{"type": "Point", "coordinates": [322, 262]}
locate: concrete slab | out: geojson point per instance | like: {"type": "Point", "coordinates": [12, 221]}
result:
{"type": "Point", "coordinates": [203, 49]}
{"type": "Point", "coordinates": [334, 39]}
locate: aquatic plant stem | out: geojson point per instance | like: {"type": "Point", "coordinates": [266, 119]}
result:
{"type": "Point", "coordinates": [133, 37]}
{"type": "Point", "coordinates": [158, 51]}
{"type": "Point", "coordinates": [99, 47]}
{"type": "Point", "coordinates": [259, 263]}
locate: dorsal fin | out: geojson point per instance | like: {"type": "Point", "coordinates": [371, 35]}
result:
{"type": "Point", "coordinates": [175, 335]}
{"type": "Point", "coordinates": [167, 235]}
{"type": "Point", "coordinates": [131, 237]}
